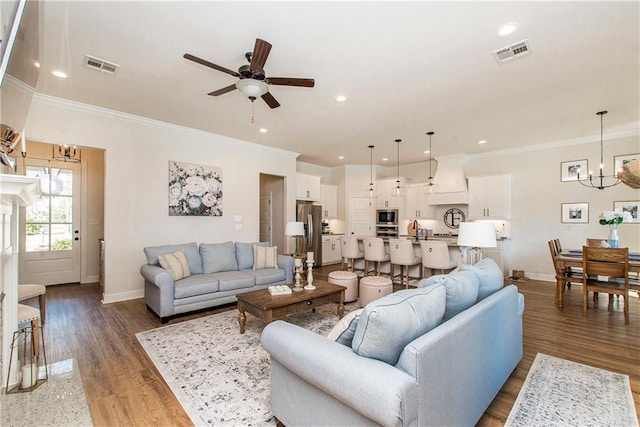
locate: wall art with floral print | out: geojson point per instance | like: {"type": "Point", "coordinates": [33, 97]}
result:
{"type": "Point", "coordinates": [194, 190]}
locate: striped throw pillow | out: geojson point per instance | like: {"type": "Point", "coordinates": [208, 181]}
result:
{"type": "Point", "coordinates": [176, 263]}
{"type": "Point", "coordinates": [265, 257]}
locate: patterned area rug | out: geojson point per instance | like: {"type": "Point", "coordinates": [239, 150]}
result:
{"type": "Point", "coordinates": [559, 392]}
{"type": "Point", "coordinates": [219, 376]}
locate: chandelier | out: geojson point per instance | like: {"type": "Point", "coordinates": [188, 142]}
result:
{"type": "Point", "coordinates": [601, 181]}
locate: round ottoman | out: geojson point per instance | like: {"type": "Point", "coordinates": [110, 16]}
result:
{"type": "Point", "coordinates": [349, 280]}
{"type": "Point", "coordinates": [374, 287]}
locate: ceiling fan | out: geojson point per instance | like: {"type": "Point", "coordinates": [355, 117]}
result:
{"type": "Point", "coordinates": [253, 82]}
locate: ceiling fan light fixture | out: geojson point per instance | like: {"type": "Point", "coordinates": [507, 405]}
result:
{"type": "Point", "coordinates": [252, 88]}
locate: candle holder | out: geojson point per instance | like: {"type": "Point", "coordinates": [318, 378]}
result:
{"type": "Point", "coordinates": [310, 286]}
{"type": "Point", "coordinates": [297, 287]}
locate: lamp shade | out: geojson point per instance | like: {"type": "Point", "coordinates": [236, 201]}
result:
{"type": "Point", "coordinates": [477, 234]}
{"type": "Point", "coordinates": [252, 88]}
{"type": "Point", "coordinates": [294, 228]}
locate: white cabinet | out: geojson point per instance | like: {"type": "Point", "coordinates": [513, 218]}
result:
{"type": "Point", "coordinates": [501, 255]}
{"type": "Point", "coordinates": [490, 197]}
{"type": "Point", "coordinates": [331, 250]}
{"type": "Point", "coordinates": [385, 197]}
{"type": "Point", "coordinates": [329, 201]}
{"type": "Point", "coordinates": [417, 205]}
{"type": "Point", "coordinates": [308, 187]}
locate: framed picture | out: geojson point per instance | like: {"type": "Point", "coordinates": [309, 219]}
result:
{"type": "Point", "coordinates": [575, 213]}
{"type": "Point", "coordinates": [194, 190]}
{"type": "Point", "coordinates": [569, 170]}
{"type": "Point", "coordinates": [618, 161]}
{"type": "Point", "coordinates": [629, 206]}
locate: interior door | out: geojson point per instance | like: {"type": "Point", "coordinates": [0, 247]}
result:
{"type": "Point", "coordinates": [360, 216]}
{"type": "Point", "coordinates": [50, 240]}
{"type": "Point", "coordinates": [266, 218]}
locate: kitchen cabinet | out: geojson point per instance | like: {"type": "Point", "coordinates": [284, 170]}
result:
{"type": "Point", "coordinates": [331, 253]}
{"type": "Point", "coordinates": [308, 187]}
{"type": "Point", "coordinates": [329, 201]}
{"type": "Point", "coordinates": [384, 195]}
{"type": "Point", "coordinates": [490, 197]}
{"type": "Point", "coordinates": [417, 205]}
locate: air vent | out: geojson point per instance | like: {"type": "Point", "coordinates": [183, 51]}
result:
{"type": "Point", "coordinates": [100, 64]}
{"type": "Point", "coordinates": [511, 52]}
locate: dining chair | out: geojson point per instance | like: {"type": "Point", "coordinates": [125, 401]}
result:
{"type": "Point", "coordinates": [606, 270]}
{"type": "Point", "coordinates": [565, 276]}
{"type": "Point", "coordinates": [596, 243]}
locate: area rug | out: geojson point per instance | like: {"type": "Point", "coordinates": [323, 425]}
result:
{"type": "Point", "coordinates": [60, 401]}
{"type": "Point", "coordinates": [559, 392]}
{"type": "Point", "coordinates": [219, 376]}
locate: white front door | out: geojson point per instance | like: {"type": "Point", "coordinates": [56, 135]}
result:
{"type": "Point", "coordinates": [361, 216]}
{"type": "Point", "coordinates": [50, 240]}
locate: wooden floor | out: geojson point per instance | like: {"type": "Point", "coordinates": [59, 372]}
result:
{"type": "Point", "coordinates": [124, 388]}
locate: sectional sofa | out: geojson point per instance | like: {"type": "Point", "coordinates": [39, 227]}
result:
{"type": "Point", "coordinates": [432, 356]}
{"type": "Point", "coordinates": [217, 273]}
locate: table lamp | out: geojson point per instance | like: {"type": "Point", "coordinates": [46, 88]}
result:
{"type": "Point", "coordinates": [475, 235]}
{"type": "Point", "coordinates": [294, 229]}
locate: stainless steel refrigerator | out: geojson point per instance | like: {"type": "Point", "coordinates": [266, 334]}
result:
{"type": "Point", "coordinates": [311, 216]}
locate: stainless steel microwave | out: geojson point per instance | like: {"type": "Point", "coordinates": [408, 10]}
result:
{"type": "Point", "coordinates": [387, 216]}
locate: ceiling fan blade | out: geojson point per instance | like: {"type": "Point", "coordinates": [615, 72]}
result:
{"type": "Point", "coordinates": [259, 55]}
{"type": "Point", "coordinates": [209, 64]}
{"type": "Point", "coordinates": [223, 90]}
{"type": "Point", "coordinates": [290, 81]}
{"type": "Point", "coordinates": [270, 100]}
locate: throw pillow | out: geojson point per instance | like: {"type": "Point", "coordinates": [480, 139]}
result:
{"type": "Point", "coordinates": [388, 324]}
{"type": "Point", "coordinates": [265, 257]}
{"type": "Point", "coordinates": [190, 251]}
{"type": "Point", "coordinates": [490, 276]}
{"type": "Point", "coordinates": [462, 290]}
{"type": "Point", "coordinates": [345, 329]}
{"type": "Point", "coordinates": [176, 263]}
{"type": "Point", "coordinates": [218, 257]}
{"type": "Point", "coordinates": [244, 254]}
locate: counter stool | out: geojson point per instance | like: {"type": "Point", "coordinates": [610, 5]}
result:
{"type": "Point", "coordinates": [401, 253]}
{"type": "Point", "coordinates": [31, 315]}
{"type": "Point", "coordinates": [350, 250]}
{"type": "Point", "coordinates": [435, 256]}
{"type": "Point", "coordinates": [374, 287]}
{"type": "Point", "coordinates": [349, 280]}
{"type": "Point", "coordinates": [26, 292]}
{"type": "Point", "coordinates": [374, 251]}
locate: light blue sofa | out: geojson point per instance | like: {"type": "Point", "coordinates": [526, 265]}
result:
{"type": "Point", "coordinates": [446, 376]}
{"type": "Point", "coordinates": [219, 272]}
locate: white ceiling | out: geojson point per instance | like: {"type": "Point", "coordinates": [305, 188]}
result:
{"type": "Point", "coordinates": [406, 68]}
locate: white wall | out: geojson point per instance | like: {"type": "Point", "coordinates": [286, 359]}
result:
{"type": "Point", "coordinates": [137, 155]}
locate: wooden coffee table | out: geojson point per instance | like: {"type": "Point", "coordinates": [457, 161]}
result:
{"type": "Point", "coordinates": [269, 307]}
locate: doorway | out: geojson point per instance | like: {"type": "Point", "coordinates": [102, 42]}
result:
{"type": "Point", "coordinates": [272, 216]}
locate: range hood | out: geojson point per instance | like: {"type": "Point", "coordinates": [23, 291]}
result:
{"type": "Point", "coordinates": [450, 181]}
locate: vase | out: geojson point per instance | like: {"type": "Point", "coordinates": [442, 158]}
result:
{"type": "Point", "coordinates": [613, 238]}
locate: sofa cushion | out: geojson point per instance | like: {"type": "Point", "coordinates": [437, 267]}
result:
{"type": "Point", "coordinates": [230, 280]}
{"type": "Point", "coordinates": [176, 263]}
{"type": "Point", "coordinates": [218, 257]}
{"type": "Point", "coordinates": [269, 276]}
{"type": "Point", "coordinates": [244, 254]}
{"type": "Point", "coordinates": [265, 257]}
{"type": "Point", "coordinates": [345, 329]}
{"type": "Point", "coordinates": [462, 290]}
{"type": "Point", "coordinates": [388, 324]}
{"type": "Point", "coordinates": [190, 251]}
{"type": "Point", "coordinates": [490, 276]}
{"type": "Point", "coordinates": [197, 284]}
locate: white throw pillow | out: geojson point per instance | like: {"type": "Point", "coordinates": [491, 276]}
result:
{"type": "Point", "coordinates": [265, 257]}
{"type": "Point", "coordinates": [176, 263]}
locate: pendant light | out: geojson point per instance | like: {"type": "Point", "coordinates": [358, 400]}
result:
{"type": "Point", "coordinates": [371, 192]}
{"type": "Point", "coordinates": [601, 181]}
{"type": "Point", "coordinates": [399, 191]}
{"type": "Point", "coordinates": [431, 187]}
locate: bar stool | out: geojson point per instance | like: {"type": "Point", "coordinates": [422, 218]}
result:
{"type": "Point", "coordinates": [374, 251]}
{"type": "Point", "coordinates": [401, 253]}
{"type": "Point", "coordinates": [29, 291]}
{"type": "Point", "coordinates": [350, 250]}
{"type": "Point", "coordinates": [435, 256]}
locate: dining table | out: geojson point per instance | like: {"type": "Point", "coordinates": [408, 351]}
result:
{"type": "Point", "coordinates": [573, 258]}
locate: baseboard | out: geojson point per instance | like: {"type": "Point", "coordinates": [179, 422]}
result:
{"type": "Point", "coordinates": [123, 296]}
{"type": "Point", "coordinates": [92, 279]}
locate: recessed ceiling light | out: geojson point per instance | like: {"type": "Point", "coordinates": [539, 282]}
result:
{"type": "Point", "coordinates": [384, 159]}
{"type": "Point", "coordinates": [426, 151]}
{"type": "Point", "coordinates": [482, 141]}
{"type": "Point", "coordinates": [264, 130]}
{"type": "Point", "coordinates": [36, 64]}
{"type": "Point", "coordinates": [506, 29]}
{"type": "Point", "coordinates": [60, 74]}
{"type": "Point", "coordinates": [341, 157]}
{"type": "Point", "coordinates": [341, 98]}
